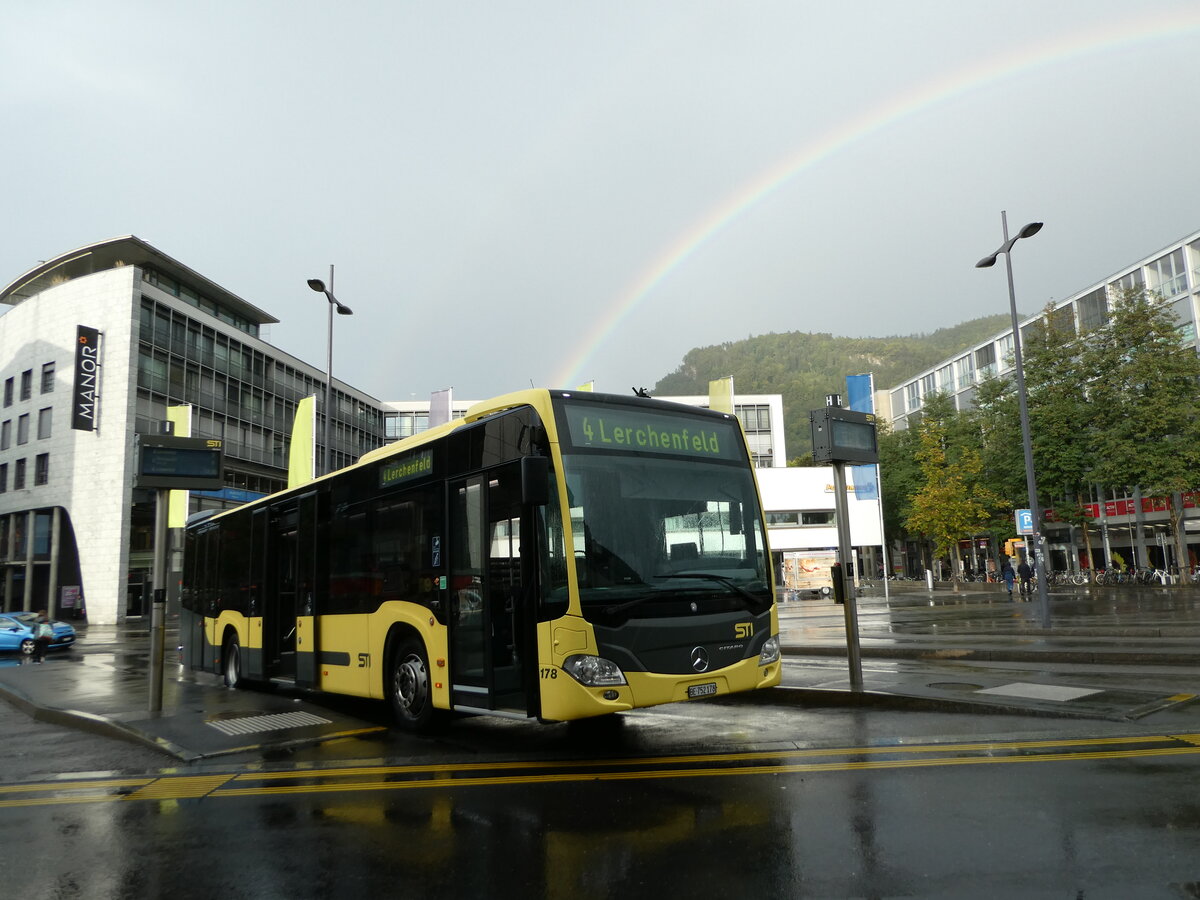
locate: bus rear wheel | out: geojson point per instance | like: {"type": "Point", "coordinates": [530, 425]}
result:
{"type": "Point", "coordinates": [231, 662]}
{"type": "Point", "coordinates": [408, 686]}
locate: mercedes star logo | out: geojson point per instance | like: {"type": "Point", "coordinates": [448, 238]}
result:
{"type": "Point", "coordinates": [699, 659]}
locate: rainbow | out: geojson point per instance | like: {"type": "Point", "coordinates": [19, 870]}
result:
{"type": "Point", "coordinates": [1061, 49]}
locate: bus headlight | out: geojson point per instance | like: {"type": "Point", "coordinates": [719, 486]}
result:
{"type": "Point", "coordinates": [594, 671]}
{"type": "Point", "coordinates": [770, 651]}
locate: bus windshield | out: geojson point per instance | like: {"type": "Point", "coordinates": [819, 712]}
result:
{"type": "Point", "coordinates": [658, 534]}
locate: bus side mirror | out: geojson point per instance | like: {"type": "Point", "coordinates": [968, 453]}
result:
{"type": "Point", "coordinates": [535, 480]}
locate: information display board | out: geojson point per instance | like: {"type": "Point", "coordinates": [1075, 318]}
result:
{"type": "Point", "coordinates": [180, 463]}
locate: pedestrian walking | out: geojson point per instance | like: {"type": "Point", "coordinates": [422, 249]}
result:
{"type": "Point", "coordinates": [43, 634]}
{"type": "Point", "coordinates": [1025, 571]}
{"type": "Point", "coordinates": [1009, 576]}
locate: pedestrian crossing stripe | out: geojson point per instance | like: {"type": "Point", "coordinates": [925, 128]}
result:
{"type": "Point", "coordinates": [257, 724]}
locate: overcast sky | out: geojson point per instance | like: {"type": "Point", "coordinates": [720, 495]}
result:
{"type": "Point", "coordinates": [553, 192]}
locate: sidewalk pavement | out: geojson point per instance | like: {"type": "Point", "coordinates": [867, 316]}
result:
{"type": "Point", "coordinates": [1118, 653]}
{"type": "Point", "coordinates": [102, 685]}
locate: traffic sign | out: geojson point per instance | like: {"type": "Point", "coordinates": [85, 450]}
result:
{"type": "Point", "coordinates": [1024, 521]}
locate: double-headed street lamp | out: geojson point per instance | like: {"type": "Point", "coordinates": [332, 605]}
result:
{"type": "Point", "coordinates": [1039, 556]}
{"type": "Point", "coordinates": [342, 310]}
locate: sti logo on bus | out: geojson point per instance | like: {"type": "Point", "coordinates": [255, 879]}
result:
{"type": "Point", "coordinates": [743, 629]}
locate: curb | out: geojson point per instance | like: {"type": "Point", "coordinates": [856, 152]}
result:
{"type": "Point", "coordinates": [868, 699]}
{"type": "Point", "coordinates": [92, 723]}
{"type": "Point", "coordinates": [927, 652]}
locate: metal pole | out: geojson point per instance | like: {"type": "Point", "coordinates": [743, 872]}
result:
{"type": "Point", "coordinates": [1039, 557]}
{"type": "Point", "coordinates": [329, 375]}
{"type": "Point", "coordinates": [850, 608]}
{"type": "Point", "coordinates": [157, 616]}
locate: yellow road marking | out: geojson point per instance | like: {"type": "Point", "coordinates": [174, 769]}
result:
{"type": "Point", "coordinates": [180, 787]}
{"type": "Point", "coordinates": [983, 746]}
{"type": "Point", "coordinates": [843, 759]}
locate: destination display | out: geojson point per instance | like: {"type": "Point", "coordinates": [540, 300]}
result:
{"type": "Point", "coordinates": [596, 427]}
{"type": "Point", "coordinates": [406, 469]}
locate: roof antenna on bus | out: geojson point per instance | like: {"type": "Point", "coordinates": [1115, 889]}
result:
{"type": "Point", "coordinates": [641, 392]}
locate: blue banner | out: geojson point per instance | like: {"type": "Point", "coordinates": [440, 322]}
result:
{"type": "Point", "coordinates": [861, 396]}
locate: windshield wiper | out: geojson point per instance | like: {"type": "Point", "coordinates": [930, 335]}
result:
{"type": "Point", "coordinates": [719, 579]}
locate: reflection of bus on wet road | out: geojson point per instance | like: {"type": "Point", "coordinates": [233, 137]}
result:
{"type": "Point", "coordinates": [554, 555]}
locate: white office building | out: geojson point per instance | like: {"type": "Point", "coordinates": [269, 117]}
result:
{"type": "Point", "coordinates": [74, 530]}
{"type": "Point", "coordinates": [1174, 274]}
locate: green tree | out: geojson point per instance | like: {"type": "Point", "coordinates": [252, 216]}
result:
{"type": "Point", "coordinates": [899, 479]}
{"type": "Point", "coordinates": [997, 420]}
{"type": "Point", "coordinates": [1144, 383]}
{"type": "Point", "coordinates": [1062, 419]}
{"type": "Point", "coordinates": [953, 502]}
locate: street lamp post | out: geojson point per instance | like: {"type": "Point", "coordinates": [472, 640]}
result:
{"type": "Point", "coordinates": [1023, 403]}
{"type": "Point", "coordinates": [342, 310]}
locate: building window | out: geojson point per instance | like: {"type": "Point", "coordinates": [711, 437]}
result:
{"type": "Point", "coordinates": [41, 468]}
{"type": "Point", "coordinates": [27, 384]}
{"type": "Point", "coordinates": [964, 371]}
{"type": "Point", "coordinates": [913, 393]}
{"type": "Point", "coordinates": [48, 378]}
{"type": "Point", "coordinates": [1182, 310]}
{"type": "Point", "coordinates": [754, 418]}
{"type": "Point", "coordinates": [4, 481]}
{"type": "Point", "coordinates": [19, 475]}
{"type": "Point", "coordinates": [8, 392]}
{"type": "Point", "coordinates": [1167, 275]}
{"type": "Point", "coordinates": [1062, 320]}
{"type": "Point", "coordinates": [985, 360]}
{"type": "Point", "coordinates": [6, 434]}
{"type": "Point", "coordinates": [45, 417]}
{"type": "Point", "coordinates": [23, 429]}
{"type": "Point", "coordinates": [794, 518]}
{"type": "Point", "coordinates": [1092, 310]}
{"type": "Point", "coordinates": [1129, 282]}
{"type": "Point", "coordinates": [1007, 350]}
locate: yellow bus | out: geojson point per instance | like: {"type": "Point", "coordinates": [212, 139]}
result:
{"type": "Point", "coordinates": [554, 555]}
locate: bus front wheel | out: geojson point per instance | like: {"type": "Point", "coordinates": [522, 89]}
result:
{"type": "Point", "coordinates": [408, 686]}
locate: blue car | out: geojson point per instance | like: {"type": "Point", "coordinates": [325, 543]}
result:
{"type": "Point", "coordinates": [16, 633]}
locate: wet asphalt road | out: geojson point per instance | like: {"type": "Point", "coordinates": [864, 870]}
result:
{"type": "Point", "coordinates": [731, 799]}
{"type": "Point", "coordinates": [742, 797]}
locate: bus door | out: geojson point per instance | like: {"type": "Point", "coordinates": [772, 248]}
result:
{"type": "Point", "coordinates": [288, 639]}
{"type": "Point", "coordinates": [492, 654]}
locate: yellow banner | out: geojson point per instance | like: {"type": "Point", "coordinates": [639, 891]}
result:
{"type": "Point", "coordinates": [302, 456]}
{"type": "Point", "coordinates": [720, 394]}
{"type": "Point", "coordinates": [177, 501]}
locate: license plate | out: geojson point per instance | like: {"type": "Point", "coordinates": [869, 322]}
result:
{"type": "Point", "coordinates": [702, 690]}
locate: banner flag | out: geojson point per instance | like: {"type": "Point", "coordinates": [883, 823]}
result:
{"type": "Point", "coordinates": [860, 392]}
{"type": "Point", "coordinates": [302, 455]}
{"type": "Point", "coordinates": [177, 501]}
{"type": "Point", "coordinates": [85, 394]}
{"type": "Point", "coordinates": [440, 403]}
{"type": "Point", "coordinates": [720, 394]}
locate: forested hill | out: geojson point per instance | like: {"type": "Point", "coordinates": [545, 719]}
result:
{"type": "Point", "coordinates": [805, 367]}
